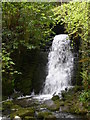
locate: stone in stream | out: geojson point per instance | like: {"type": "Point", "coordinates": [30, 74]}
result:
{"type": "Point", "coordinates": [26, 102]}
{"type": "Point", "coordinates": [17, 118]}
{"type": "Point", "coordinates": [51, 105]}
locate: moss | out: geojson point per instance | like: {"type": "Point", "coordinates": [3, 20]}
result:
{"type": "Point", "coordinates": [1, 108]}
{"type": "Point", "coordinates": [7, 104]}
{"type": "Point", "coordinates": [23, 112]}
{"type": "Point", "coordinates": [70, 102]}
{"type": "Point", "coordinates": [44, 114]}
{"type": "Point", "coordinates": [16, 107]}
{"type": "Point", "coordinates": [50, 117]}
{"type": "Point", "coordinates": [29, 118]}
{"type": "Point", "coordinates": [55, 107]}
{"type": "Point", "coordinates": [61, 103]}
{"type": "Point", "coordinates": [56, 97]}
{"type": "Point", "coordinates": [43, 106]}
{"type": "Point", "coordinates": [74, 107]}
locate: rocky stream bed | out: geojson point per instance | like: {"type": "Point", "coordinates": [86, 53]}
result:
{"type": "Point", "coordinates": [65, 108]}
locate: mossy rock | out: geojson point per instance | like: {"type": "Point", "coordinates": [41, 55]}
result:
{"type": "Point", "coordinates": [23, 112]}
{"type": "Point", "coordinates": [15, 107]}
{"type": "Point", "coordinates": [7, 104]}
{"type": "Point", "coordinates": [26, 103]}
{"type": "Point", "coordinates": [29, 118]}
{"type": "Point", "coordinates": [50, 117]}
{"type": "Point", "coordinates": [65, 109]}
{"type": "Point", "coordinates": [42, 115]}
{"type": "Point", "coordinates": [52, 105]}
{"type": "Point", "coordinates": [61, 103]}
{"type": "Point", "coordinates": [56, 97]}
{"type": "Point", "coordinates": [42, 106]}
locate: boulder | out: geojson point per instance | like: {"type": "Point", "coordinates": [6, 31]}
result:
{"type": "Point", "coordinates": [51, 105]}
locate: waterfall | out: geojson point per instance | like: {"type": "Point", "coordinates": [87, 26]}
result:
{"type": "Point", "coordinates": [60, 66]}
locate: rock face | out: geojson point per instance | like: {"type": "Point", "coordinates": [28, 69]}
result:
{"type": "Point", "coordinates": [33, 68]}
{"type": "Point", "coordinates": [26, 102]}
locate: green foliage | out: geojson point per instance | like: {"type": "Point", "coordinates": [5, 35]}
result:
{"type": "Point", "coordinates": [86, 79]}
{"type": "Point", "coordinates": [56, 97]}
{"type": "Point", "coordinates": [7, 62]}
{"type": "Point", "coordinates": [75, 16]}
{"type": "Point", "coordinates": [25, 25]}
{"type": "Point", "coordinates": [8, 70]}
{"type": "Point", "coordinates": [85, 96]}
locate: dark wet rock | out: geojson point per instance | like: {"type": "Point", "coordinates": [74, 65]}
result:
{"type": "Point", "coordinates": [26, 102]}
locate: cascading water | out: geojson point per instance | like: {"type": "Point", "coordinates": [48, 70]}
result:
{"type": "Point", "coordinates": [60, 65]}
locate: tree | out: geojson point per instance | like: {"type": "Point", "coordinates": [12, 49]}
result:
{"type": "Point", "coordinates": [75, 16]}
{"type": "Point", "coordinates": [24, 25]}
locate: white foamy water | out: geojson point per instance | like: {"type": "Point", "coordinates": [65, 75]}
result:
{"type": "Point", "coordinates": [60, 66]}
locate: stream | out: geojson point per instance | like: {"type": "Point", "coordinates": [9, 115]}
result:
{"type": "Point", "coordinates": [40, 106]}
